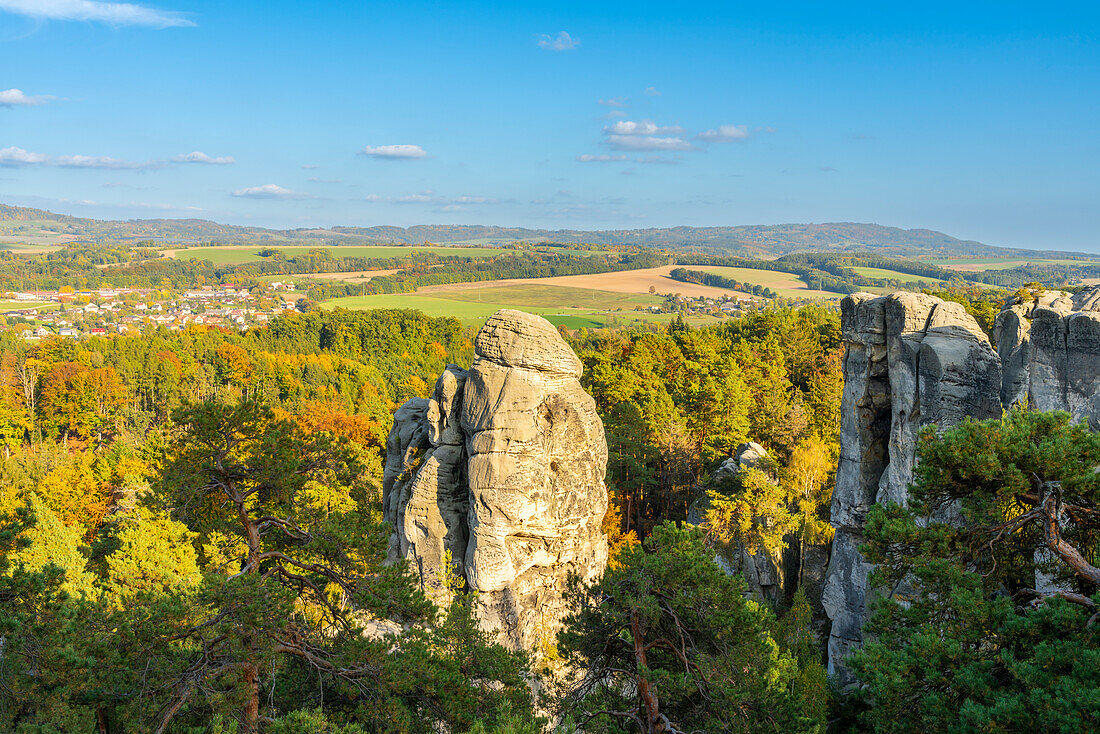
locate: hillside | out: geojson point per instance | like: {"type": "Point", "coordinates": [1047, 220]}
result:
{"type": "Point", "coordinates": [744, 240]}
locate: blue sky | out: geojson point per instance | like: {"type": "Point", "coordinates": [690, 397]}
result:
{"type": "Point", "coordinates": [978, 119]}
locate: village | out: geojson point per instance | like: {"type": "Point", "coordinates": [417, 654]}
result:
{"type": "Point", "coordinates": [74, 314]}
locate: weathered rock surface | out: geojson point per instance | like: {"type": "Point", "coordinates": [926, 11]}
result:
{"type": "Point", "coordinates": [504, 468]}
{"type": "Point", "coordinates": [1050, 349]}
{"type": "Point", "coordinates": [911, 361]}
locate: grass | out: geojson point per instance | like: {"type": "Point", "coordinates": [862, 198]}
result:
{"type": "Point", "coordinates": [19, 305]}
{"type": "Point", "coordinates": [1003, 263]}
{"type": "Point", "coordinates": [572, 307]}
{"type": "Point", "coordinates": [788, 285]}
{"type": "Point", "coordinates": [552, 296]}
{"type": "Point", "coordinates": [236, 255]}
{"type": "Point", "coordinates": [895, 275]}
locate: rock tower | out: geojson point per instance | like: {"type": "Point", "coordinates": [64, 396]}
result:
{"type": "Point", "coordinates": [502, 472]}
{"type": "Point", "coordinates": [913, 360]}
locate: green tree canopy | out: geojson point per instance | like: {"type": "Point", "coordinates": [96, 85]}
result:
{"type": "Point", "coordinates": [988, 623]}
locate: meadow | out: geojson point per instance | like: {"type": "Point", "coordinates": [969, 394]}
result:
{"type": "Point", "coordinates": [570, 307]}
{"type": "Point", "coordinates": [977, 265]}
{"type": "Point", "coordinates": [896, 275]}
{"type": "Point", "coordinates": [603, 299]}
{"type": "Point", "coordinates": [640, 281]}
{"type": "Point", "coordinates": [787, 285]}
{"type": "Point", "coordinates": [30, 236]}
{"type": "Point", "coordinates": [20, 305]}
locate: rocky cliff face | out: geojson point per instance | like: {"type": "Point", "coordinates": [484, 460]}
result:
{"type": "Point", "coordinates": [502, 472]}
{"type": "Point", "coordinates": [911, 361]}
{"type": "Point", "coordinates": [1050, 350]}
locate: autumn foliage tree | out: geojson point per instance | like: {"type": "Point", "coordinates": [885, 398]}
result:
{"type": "Point", "coordinates": [79, 401]}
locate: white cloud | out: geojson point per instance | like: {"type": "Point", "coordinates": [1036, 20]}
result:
{"type": "Point", "coordinates": [652, 92]}
{"type": "Point", "coordinates": [269, 191]}
{"type": "Point", "coordinates": [118, 14]}
{"type": "Point", "coordinates": [16, 98]}
{"type": "Point", "coordinates": [645, 135]}
{"type": "Point", "coordinates": [561, 42]}
{"type": "Point", "coordinates": [648, 142]}
{"type": "Point", "coordinates": [394, 152]}
{"type": "Point", "coordinates": [476, 200]}
{"type": "Point", "coordinates": [200, 157]}
{"type": "Point", "coordinates": [645, 127]}
{"type": "Point", "coordinates": [602, 158]}
{"type": "Point", "coordinates": [424, 198]}
{"type": "Point", "coordinates": [613, 102]}
{"type": "Point", "coordinates": [724, 134]}
{"type": "Point", "coordinates": [14, 156]}
{"type": "Point", "coordinates": [98, 161]}
{"type": "Point", "coordinates": [18, 157]}
{"type": "Point", "coordinates": [430, 197]}
{"type": "Point", "coordinates": [620, 158]}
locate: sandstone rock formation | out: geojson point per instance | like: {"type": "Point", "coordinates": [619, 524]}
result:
{"type": "Point", "coordinates": [502, 470]}
{"type": "Point", "coordinates": [911, 361]}
{"type": "Point", "coordinates": [764, 574]}
{"type": "Point", "coordinates": [1050, 350]}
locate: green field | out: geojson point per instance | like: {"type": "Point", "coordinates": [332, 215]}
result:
{"type": "Point", "coordinates": [552, 296]}
{"type": "Point", "coordinates": [238, 255]}
{"type": "Point", "coordinates": [787, 285]}
{"type": "Point", "coordinates": [29, 236]}
{"type": "Point", "coordinates": [572, 307]}
{"type": "Point", "coordinates": [1004, 263]}
{"type": "Point", "coordinates": [19, 305]}
{"type": "Point", "coordinates": [896, 275]}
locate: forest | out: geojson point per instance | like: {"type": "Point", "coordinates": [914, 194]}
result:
{"type": "Point", "coordinates": [191, 540]}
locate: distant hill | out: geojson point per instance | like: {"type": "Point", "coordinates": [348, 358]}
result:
{"type": "Point", "coordinates": [745, 240]}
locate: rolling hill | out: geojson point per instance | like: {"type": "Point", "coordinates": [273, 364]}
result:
{"type": "Point", "coordinates": [745, 240]}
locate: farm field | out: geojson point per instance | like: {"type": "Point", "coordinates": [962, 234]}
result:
{"type": "Point", "coordinates": [473, 313]}
{"type": "Point", "coordinates": [572, 300]}
{"type": "Point", "coordinates": [787, 285]}
{"type": "Point", "coordinates": [999, 263]}
{"type": "Point", "coordinates": [572, 307]}
{"type": "Point", "coordinates": [19, 305]}
{"type": "Point", "coordinates": [354, 276]}
{"type": "Point", "coordinates": [237, 254]}
{"type": "Point", "coordinates": [639, 282]}
{"type": "Point", "coordinates": [552, 297]}
{"type": "Point", "coordinates": [31, 236]}
{"type": "Point", "coordinates": [895, 275]}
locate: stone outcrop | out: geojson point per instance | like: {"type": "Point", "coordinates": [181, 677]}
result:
{"type": "Point", "coordinates": [1050, 349]}
{"type": "Point", "coordinates": [764, 574]}
{"type": "Point", "coordinates": [911, 361]}
{"type": "Point", "coordinates": [502, 471]}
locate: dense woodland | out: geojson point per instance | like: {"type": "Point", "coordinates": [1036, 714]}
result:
{"type": "Point", "coordinates": [191, 520]}
{"type": "Point", "coordinates": [191, 541]}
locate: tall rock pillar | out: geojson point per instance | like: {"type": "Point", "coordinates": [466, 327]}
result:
{"type": "Point", "coordinates": [911, 361]}
{"type": "Point", "coordinates": [503, 467]}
